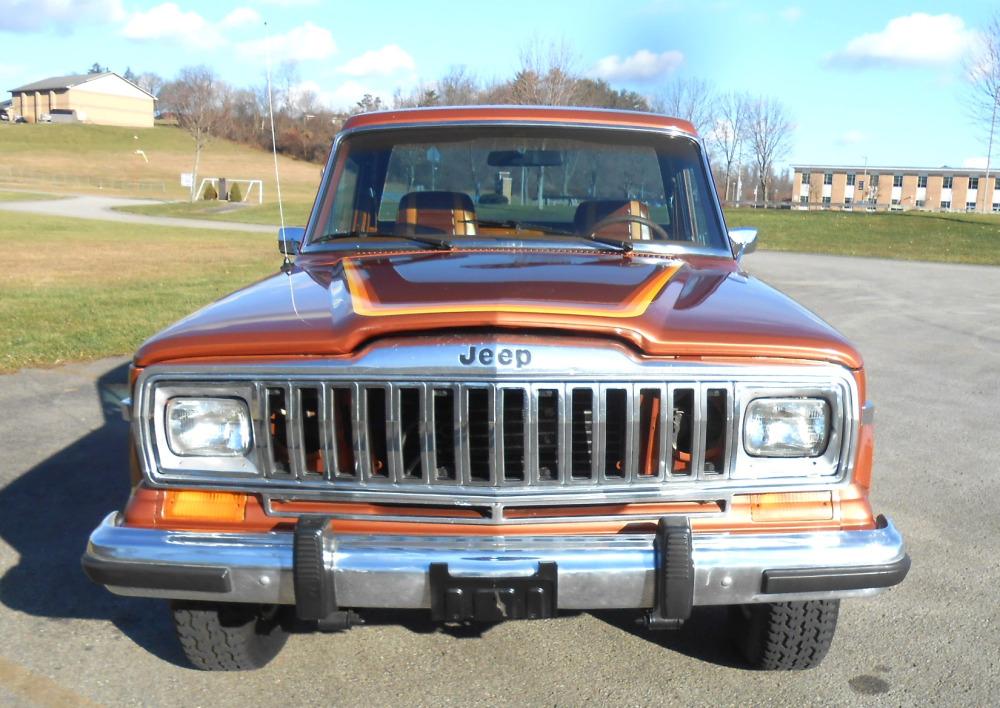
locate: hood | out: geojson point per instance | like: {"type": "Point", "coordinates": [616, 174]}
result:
{"type": "Point", "coordinates": [331, 306]}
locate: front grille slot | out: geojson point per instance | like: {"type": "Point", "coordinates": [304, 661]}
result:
{"type": "Point", "coordinates": [276, 416]}
{"type": "Point", "coordinates": [650, 427]}
{"type": "Point", "coordinates": [410, 428]}
{"type": "Point", "coordinates": [717, 421]}
{"type": "Point", "coordinates": [616, 425]}
{"type": "Point", "coordinates": [515, 433]}
{"type": "Point", "coordinates": [582, 434]}
{"type": "Point", "coordinates": [343, 432]}
{"type": "Point", "coordinates": [683, 422]}
{"type": "Point", "coordinates": [310, 414]}
{"type": "Point", "coordinates": [443, 443]}
{"type": "Point", "coordinates": [420, 434]}
{"type": "Point", "coordinates": [479, 424]}
{"type": "Point", "coordinates": [548, 434]}
{"type": "Point", "coordinates": [377, 420]}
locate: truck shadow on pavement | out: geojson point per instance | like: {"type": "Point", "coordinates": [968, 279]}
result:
{"type": "Point", "coordinates": [48, 514]}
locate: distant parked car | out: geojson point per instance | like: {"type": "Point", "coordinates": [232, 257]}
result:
{"type": "Point", "coordinates": [45, 118]}
{"type": "Point", "coordinates": [4, 114]}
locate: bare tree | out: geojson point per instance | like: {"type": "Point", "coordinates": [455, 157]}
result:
{"type": "Point", "coordinates": [690, 99]}
{"type": "Point", "coordinates": [770, 132]}
{"type": "Point", "coordinates": [983, 69]}
{"type": "Point", "coordinates": [547, 75]}
{"type": "Point", "coordinates": [202, 103]}
{"type": "Point", "coordinates": [150, 81]}
{"type": "Point", "coordinates": [458, 88]}
{"type": "Point", "coordinates": [729, 134]}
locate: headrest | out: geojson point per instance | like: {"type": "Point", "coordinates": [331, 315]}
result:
{"type": "Point", "coordinates": [436, 213]}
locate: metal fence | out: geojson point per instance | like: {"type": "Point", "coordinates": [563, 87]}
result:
{"type": "Point", "coordinates": [69, 181]}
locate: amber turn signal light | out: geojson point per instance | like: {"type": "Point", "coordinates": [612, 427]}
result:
{"type": "Point", "coordinates": [792, 506]}
{"type": "Point", "coordinates": [204, 506]}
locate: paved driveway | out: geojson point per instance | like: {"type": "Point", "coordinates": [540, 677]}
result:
{"type": "Point", "coordinates": [931, 335]}
{"type": "Point", "coordinates": [103, 208]}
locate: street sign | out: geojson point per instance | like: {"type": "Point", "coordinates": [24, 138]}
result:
{"type": "Point", "coordinates": [187, 179]}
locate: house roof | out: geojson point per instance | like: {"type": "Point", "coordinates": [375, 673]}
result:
{"type": "Point", "coordinates": [55, 83]}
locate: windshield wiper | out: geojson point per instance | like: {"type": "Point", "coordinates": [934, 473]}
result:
{"type": "Point", "coordinates": [624, 245]}
{"type": "Point", "coordinates": [437, 243]}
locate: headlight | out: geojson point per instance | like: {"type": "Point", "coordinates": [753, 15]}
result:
{"type": "Point", "coordinates": [786, 427]}
{"type": "Point", "coordinates": [208, 427]}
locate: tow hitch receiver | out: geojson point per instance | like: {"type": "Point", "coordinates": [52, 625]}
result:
{"type": "Point", "coordinates": [492, 599]}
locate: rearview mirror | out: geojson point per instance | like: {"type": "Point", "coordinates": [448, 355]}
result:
{"type": "Point", "coordinates": [290, 240]}
{"type": "Point", "coordinates": [745, 240]}
{"type": "Point", "coordinates": [524, 158]}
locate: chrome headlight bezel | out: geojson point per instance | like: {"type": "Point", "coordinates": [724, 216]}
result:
{"type": "Point", "coordinates": [825, 465]}
{"type": "Point", "coordinates": [238, 465]}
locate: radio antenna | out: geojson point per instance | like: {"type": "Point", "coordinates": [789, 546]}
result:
{"type": "Point", "coordinates": [274, 141]}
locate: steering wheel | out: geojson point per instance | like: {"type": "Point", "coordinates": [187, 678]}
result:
{"type": "Point", "coordinates": [630, 218]}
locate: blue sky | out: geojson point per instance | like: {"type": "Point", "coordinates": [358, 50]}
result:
{"type": "Point", "coordinates": [878, 80]}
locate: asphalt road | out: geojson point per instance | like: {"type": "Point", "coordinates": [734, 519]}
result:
{"type": "Point", "coordinates": [931, 337]}
{"type": "Point", "coordinates": [85, 206]}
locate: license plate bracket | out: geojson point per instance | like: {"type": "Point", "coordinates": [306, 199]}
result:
{"type": "Point", "coordinates": [493, 599]}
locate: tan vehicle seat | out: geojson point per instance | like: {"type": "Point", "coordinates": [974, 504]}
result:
{"type": "Point", "coordinates": [436, 213]}
{"type": "Point", "coordinates": [591, 213]}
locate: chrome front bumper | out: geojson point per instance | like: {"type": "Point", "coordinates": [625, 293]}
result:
{"type": "Point", "coordinates": [594, 572]}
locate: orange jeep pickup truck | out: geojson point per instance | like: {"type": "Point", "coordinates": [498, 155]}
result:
{"type": "Point", "coordinates": [516, 367]}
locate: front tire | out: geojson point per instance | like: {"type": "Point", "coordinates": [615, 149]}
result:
{"type": "Point", "coordinates": [228, 636]}
{"type": "Point", "coordinates": [784, 636]}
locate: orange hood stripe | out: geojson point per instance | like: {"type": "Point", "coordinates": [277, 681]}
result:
{"type": "Point", "coordinates": [366, 303]}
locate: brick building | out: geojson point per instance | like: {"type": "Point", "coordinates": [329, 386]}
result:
{"type": "Point", "coordinates": [895, 188]}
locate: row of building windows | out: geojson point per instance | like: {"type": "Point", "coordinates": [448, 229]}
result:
{"type": "Point", "coordinates": [897, 180]}
{"type": "Point", "coordinates": [919, 203]}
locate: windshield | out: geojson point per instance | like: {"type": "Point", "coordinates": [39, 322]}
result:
{"type": "Point", "coordinates": [445, 184]}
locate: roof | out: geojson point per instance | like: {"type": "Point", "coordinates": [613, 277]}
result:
{"type": "Point", "coordinates": [520, 114]}
{"type": "Point", "coordinates": [880, 169]}
{"type": "Point", "coordinates": [55, 83]}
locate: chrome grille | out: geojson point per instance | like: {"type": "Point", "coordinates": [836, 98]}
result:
{"type": "Point", "coordinates": [519, 435]}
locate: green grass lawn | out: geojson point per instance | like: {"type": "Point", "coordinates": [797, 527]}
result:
{"type": "Point", "coordinates": [88, 289]}
{"type": "Point", "coordinates": [141, 162]}
{"type": "Point", "coordinates": [27, 196]}
{"type": "Point", "coordinates": [296, 212]}
{"type": "Point", "coordinates": [911, 235]}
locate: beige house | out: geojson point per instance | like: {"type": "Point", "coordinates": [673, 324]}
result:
{"type": "Point", "coordinates": [895, 188]}
{"type": "Point", "coordinates": [101, 99]}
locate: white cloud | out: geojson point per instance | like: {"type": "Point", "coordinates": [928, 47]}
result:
{"type": "Point", "coordinates": [386, 61]}
{"type": "Point", "coordinates": [914, 40]}
{"type": "Point", "coordinates": [975, 163]}
{"type": "Point", "coordinates": [791, 14]}
{"type": "Point", "coordinates": [303, 43]}
{"type": "Point", "coordinates": [644, 65]}
{"type": "Point", "coordinates": [240, 17]}
{"type": "Point", "coordinates": [167, 22]}
{"type": "Point", "coordinates": [851, 137]}
{"type": "Point", "coordinates": [349, 93]}
{"type": "Point", "coordinates": [21, 15]}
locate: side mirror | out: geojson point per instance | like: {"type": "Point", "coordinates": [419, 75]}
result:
{"type": "Point", "coordinates": [745, 240]}
{"type": "Point", "coordinates": [290, 240]}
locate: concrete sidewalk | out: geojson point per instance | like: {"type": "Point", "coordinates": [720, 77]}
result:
{"type": "Point", "coordinates": [103, 209]}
